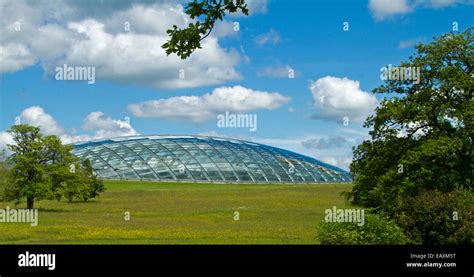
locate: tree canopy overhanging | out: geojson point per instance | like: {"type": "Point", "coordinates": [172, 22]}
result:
{"type": "Point", "coordinates": [421, 133]}
{"type": "Point", "coordinates": [184, 41]}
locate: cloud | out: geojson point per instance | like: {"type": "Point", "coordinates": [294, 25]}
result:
{"type": "Point", "coordinates": [104, 126]}
{"type": "Point", "coordinates": [325, 143]}
{"type": "Point", "coordinates": [338, 156]}
{"type": "Point", "coordinates": [257, 6]}
{"type": "Point", "coordinates": [97, 123]}
{"type": "Point", "coordinates": [383, 9]}
{"type": "Point", "coordinates": [334, 98]}
{"type": "Point", "coordinates": [104, 7]}
{"type": "Point", "coordinates": [201, 108]}
{"type": "Point", "coordinates": [341, 162]}
{"type": "Point", "coordinates": [139, 59]}
{"type": "Point", "coordinates": [5, 139]}
{"type": "Point", "coordinates": [404, 44]}
{"type": "Point", "coordinates": [271, 37]}
{"type": "Point", "coordinates": [329, 160]}
{"type": "Point", "coordinates": [35, 116]}
{"type": "Point", "coordinates": [225, 29]}
{"type": "Point", "coordinates": [14, 57]}
{"type": "Point", "coordinates": [66, 34]}
{"type": "Point", "coordinates": [277, 72]}
{"type": "Point", "coordinates": [357, 133]}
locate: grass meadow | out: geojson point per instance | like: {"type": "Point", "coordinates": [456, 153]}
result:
{"type": "Point", "coordinates": [182, 213]}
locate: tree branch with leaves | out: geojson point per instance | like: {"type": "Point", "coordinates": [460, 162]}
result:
{"type": "Point", "coordinates": [183, 42]}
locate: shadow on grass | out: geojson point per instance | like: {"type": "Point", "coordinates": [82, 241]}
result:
{"type": "Point", "coordinates": [80, 202]}
{"type": "Point", "coordinates": [56, 210]}
{"type": "Point", "coordinates": [50, 210]}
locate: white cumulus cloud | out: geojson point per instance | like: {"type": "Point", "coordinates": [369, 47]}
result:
{"type": "Point", "coordinates": [5, 139]}
{"type": "Point", "coordinates": [14, 57]}
{"type": "Point", "coordinates": [123, 43]}
{"type": "Point", "coordinates": [105, 126]}
{"type": "Point", "coordinates": [97, 125]}
{"type": "Point", "coordinates": [335, 98]}
{"type": "Point", "coordinates": [207, 106]}
{"type": "Point", "coordinates": [36, 116]}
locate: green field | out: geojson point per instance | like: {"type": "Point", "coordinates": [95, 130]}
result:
{"type": "Point", "coordinates": [177, 213]}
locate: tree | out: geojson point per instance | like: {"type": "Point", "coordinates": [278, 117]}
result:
{"type": "Point", "coordinates": [3, 173]}
{"type": "Point", "coordinates": [43, 168]}
{"type": "Point", "coordinates": [421, 138]}
{"type": "Point", "coordinates": [28, 175]}
{"type": "Point", "coordinates": [433, 217]}
{"type": "Point", "coordinates": [92, 186]}
{"type": "Point", "coordinates": [61, 165]}
{"type": "Point", "coordinates": [183, 42]}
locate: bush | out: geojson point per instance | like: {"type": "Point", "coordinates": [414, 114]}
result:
{"type": "Point", "coordinates": [464, 235]}
{"type": "Point", "coordinates": [8, 190]}
{"type": "Point", "coordinates": [82, 184]}
{"type": "Point", "coordinates": [3, 183]}
{"type": "Point", "coordinates": [434, 217]}
{"type": "Point", "coordinates": [92, 186]}
{"type": "Point", "coordinates": [376, 230]}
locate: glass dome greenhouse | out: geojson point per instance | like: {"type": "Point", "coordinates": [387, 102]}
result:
{"type": "Point", "coordinates": [202, 159]}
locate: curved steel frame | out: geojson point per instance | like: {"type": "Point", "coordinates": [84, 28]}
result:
{"type": "Point", "coordinates": [203, 159]}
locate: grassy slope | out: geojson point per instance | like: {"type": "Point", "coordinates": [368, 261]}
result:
{"type": "Point", "coordinates": [183, 214]}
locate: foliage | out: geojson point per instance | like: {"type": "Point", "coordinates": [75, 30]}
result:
{"type": "Point", "coordinates": [3, 173]}
{"type": "Point", "coordinates": [433, 217]}
{"type": "Point", "coordinates": [43, 168]}
{"type": "Point", "coordinates": [376, 230]}
{"type": "Point", "coordinates": [421, 137]}
{"type": "Point", "coordinates": [92, 186]}
{"type": "Point", "coordinates": [59, 165]}
{"type": "Point", "coordinates": [183, 42]}
{"type": "Point", "coordinates": [28, 175]}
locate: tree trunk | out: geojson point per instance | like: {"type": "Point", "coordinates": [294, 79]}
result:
{"type": "Point", "coordinates": [30, 202]}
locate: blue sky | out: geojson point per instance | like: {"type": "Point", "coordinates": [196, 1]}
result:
{"type": "Point", "coordinates": [137, 89]}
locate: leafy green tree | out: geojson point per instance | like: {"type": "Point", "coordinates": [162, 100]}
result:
{"type": "Point", "coordinates": [28, 176]}
{"type": "Point", "coordinates": [61, 165]}
{"type": "Point", "coordinates": [43, 168]}
{"type": "Point", "coordinates": [183, 42]}
{"type": "Point", "coordinates": [69, 177]}
{"type": "Point", "coordinates": [421, 137]}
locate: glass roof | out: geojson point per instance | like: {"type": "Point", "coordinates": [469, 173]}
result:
{"type": "Point", "coordinates": [202, 159]}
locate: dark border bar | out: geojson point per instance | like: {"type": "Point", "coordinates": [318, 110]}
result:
{"type": "Point", "coordinates": [367, 259]}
